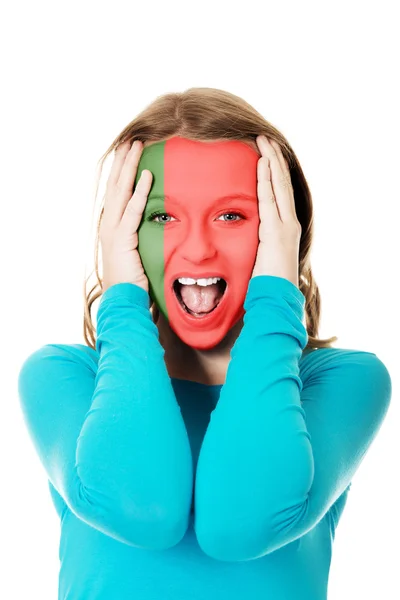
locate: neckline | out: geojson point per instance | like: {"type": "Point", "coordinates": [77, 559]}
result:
{"type": "Point", "coordinates": [189, 381]}
{"type": "Point", "coordinates": [219, 385]}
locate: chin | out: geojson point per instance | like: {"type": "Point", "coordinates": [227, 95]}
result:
{"type": "Point", "coordinates": [202, 340]}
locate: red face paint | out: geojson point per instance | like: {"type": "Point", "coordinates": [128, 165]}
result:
{"type": "Point", "coordinates": [207, 194]}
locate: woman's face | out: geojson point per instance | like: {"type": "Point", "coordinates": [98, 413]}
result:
{"type": "Point", "coordinates": [208, 191]}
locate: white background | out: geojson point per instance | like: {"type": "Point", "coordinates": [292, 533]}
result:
{"type": "Point", "coordinates": [74, 74]}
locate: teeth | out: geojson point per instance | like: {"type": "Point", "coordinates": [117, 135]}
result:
{"type": "Point", "coordinates": [203, 282]}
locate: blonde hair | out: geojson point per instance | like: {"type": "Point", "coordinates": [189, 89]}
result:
{"type": "Point", "coordinates": [208, 114]}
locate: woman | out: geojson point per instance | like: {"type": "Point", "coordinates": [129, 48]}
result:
{"type": "Point", "coordinates": [204, 447]}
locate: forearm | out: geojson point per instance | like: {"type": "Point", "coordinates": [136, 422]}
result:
{"type": "Point", "coordinates": [133, 454]}
{"type": "Point", "coordinates": [256, 458]}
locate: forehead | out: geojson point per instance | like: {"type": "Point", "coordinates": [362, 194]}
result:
{"type": "Point", "coordinates": [229, 150]}
{"type": "Point", "coordinates": [219, 166]}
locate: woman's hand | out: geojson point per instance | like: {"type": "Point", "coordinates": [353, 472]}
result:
{"type": "Point", "coordinates": [279, 231]}
{"type": "Point", "coordinates": [121, 219]}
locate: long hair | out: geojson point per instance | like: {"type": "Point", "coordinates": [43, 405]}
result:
{"type": "Point", "coordinates": [208, 114]}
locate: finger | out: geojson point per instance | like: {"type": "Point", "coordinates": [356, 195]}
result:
{"type": "Point", "coordinates": [267, 207]}
{"type": "Point", "coordinates": [120, 186]}
{"type": "Point", "coordinates": [281, 183]}
{"type": "Point", "coordinates": [119, 159]}
{"type": "Point", "coordinates": [285, 184]}
{"type": "Point", "coordinates": [134, 209]}
{"type": "Point", "coordinates": [129, 168]}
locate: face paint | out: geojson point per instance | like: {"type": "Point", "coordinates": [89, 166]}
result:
{"type": "Point", "coordinates": [206, 194]}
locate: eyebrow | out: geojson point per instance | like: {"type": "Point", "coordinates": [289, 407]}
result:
{"type": "Point", "coordinates": [220, 200]}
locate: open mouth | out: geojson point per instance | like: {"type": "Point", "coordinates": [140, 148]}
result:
{"type": "Point", "coordinates": [222, 285]}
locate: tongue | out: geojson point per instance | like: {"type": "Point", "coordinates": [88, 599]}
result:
{"type": "Point", "coordinates": [199, 298]}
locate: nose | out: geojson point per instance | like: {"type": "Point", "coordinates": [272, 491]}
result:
{"type": "Point", "coordinates": [198, 246]}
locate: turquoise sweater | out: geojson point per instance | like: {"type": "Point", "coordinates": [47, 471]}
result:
{"type": "Point", "coordinates": [171, 489]}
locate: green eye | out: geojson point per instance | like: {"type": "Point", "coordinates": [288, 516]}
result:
{"type": "Point", "coordinates": [231, 213]}
{"type": "Point", "coordinates": [157, 213]}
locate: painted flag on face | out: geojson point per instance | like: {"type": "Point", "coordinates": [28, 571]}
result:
{"type": "Point", "coordinates": [200, 222]}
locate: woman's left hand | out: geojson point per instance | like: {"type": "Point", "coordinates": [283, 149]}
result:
{"type": "Point", "coordinates": [279, 230]}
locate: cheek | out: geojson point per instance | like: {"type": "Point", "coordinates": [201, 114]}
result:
{"type": "Point", "coordinates": [243, 246]}
{"type": "Point", "coordinates": [150, 249]}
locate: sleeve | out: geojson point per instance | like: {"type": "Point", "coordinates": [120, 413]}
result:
{"type": "Point", "coordinates": [112, 440]}
{"type": "Point", "coordinates": [278, 452]}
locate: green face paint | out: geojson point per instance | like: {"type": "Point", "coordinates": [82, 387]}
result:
{"type": "Point", "coordinates": [151, 236]}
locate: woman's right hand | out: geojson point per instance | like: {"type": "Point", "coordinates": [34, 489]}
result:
{"type": "Point", "coordinates": [122, 215]}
